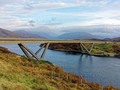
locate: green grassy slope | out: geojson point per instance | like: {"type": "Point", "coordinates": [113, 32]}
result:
{"type": "Point", "coordinates": [106, 48]}
{"type": "Point", "coordinates": [20, 73]}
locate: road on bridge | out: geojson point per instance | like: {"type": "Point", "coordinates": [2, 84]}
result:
{"type": "Point", "coordinates": [36, 40]}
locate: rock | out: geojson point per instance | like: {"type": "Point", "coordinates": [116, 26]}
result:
{"type": "Point", "coordinates": [4, 50]}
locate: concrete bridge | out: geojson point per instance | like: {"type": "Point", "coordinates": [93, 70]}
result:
{"type": "Point", "coordinates": [36, 40]}
{"type": "Point", "coordinates": [46, 44]}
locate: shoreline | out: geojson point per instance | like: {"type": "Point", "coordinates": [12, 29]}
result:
{"type": "Point", "coordinates": [78, 52]}
{"type": "Point", "coordinates": [98, 50]}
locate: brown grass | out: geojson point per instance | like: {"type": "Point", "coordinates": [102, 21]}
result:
{"type": "Point", "coordinates": [20, 73]}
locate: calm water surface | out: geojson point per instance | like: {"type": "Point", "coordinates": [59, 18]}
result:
{"type": "Point", "coordinates": [103, 70]}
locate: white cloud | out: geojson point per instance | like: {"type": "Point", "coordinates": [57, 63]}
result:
{"type": "Point", "coordinates": [6, 2]}
{"type": "Point", "coordinates": [50, 5]}
{"type": "Point", "coordinates": [99, 3]}
{"type": "Point", "coordinates": [12, 22]}
{"type": "Point", "coordinates": [16, 11]}
{"type": "Point", "coordinates": [116, 4]}
{"type": "Point", "coordinates": [104, 21]}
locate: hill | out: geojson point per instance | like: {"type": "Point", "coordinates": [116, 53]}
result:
{"type": "Point", "coordinates": [76, 35]}
{"type": "Point", "coordinates": [17, 34]}
{"type": "Point", "coordinates": [42, 31]}
{"type": "Point", "coordinates": [100, 31]}
{"type": "Point", "coordinates": [27, 34]}
{"type": "Point", "coordinates": [8, 34]}
{"type": "Point", "coordinates": [44, 34]}
{"type": "Point", "coordinates": [117, 39]}
{"type": "Point", "coordinates": [20, 73]}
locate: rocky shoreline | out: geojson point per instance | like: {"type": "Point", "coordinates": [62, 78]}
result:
{"type": "Point", "coordinates": [75, 49]}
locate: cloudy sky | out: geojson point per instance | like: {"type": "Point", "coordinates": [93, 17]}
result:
{"type": "Point", "coordinates": [21, 14]}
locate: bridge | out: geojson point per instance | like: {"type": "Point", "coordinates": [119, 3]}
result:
{"type": "Point", "coordinates": [45, 45]}
{"type": "Point", "coordinates": [36, 40]}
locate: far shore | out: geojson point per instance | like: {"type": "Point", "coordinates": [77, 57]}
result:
{"type": "Point", "coordinates": [78, 52]}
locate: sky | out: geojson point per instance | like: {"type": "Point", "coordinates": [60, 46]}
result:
{"type": "Point", "coordinates": [23, 14]}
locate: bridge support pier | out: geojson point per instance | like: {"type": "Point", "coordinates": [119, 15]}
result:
{"type": "Point", "coordinates": [44, 52]}
{"type": "Point", "coordinates": [84, 49]}
{"type": "Point", "coordinates": [40, 49]}
{"type": "Point", "coordinates": [30, 54]}
{"type": "Point", "coordinates": [24, 50]}
{"type": "Point", "coordinates": [91, 47]}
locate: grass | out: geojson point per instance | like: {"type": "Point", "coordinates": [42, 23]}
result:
{"type": "Point", "coordinates": [20, 73]}
{"type": "Point", "coordinates": [106, 48]}
{"type": "Point", "coordinates": [109, 49]}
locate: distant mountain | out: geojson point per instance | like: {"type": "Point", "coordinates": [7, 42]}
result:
{"type": "Point", "coordinates": [43, 34]}
{"type": "Point", "coordinates": [76, 32]}
{"type": "Point", "coordinates": [27, 34]}
{"type": "Point", "coordinates": [76, 35]}
{"type": "Point", "coordinates": [117, 39]}
{"type": "Point", "coordinates": [42, 31]}
{"type": "Point", "coordinates": [100, 31]}
{"type": "Point", "coordinates": [8, 34]}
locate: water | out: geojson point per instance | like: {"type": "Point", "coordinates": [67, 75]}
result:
{"type": "Point", "coordinates": [103, 70]}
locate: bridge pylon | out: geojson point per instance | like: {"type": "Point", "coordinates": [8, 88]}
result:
{"type": "Point", "coordinates": [83, 48]}
{"type": "Point", "coordinates": [30, 54]}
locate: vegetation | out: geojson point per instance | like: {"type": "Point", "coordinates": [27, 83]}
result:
{"type": "Point", "coordinates": [109, 49]}
{"type": "Point", "coordinates": [103, 48]}
{"type": "Point", "coordinates": [116, 48]}
{"type": "Point", "coordinates": [21, 73]}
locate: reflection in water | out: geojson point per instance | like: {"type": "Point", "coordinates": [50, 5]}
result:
{"type": "Point", "coordinates": [83, 63]}
{"type": "Point", "coordinates": [84, 57]}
